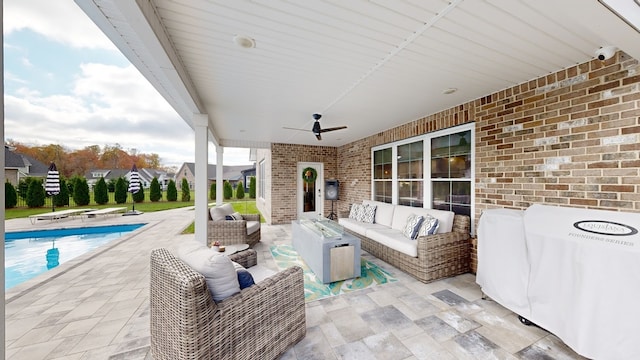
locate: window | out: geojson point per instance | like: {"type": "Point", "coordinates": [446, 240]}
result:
{"type": "Point", "coordinates": [382, 174]}
{"type": "Point", "coordinates": [410, 174]}
{"type": "Point", "coordinates": [433, 170]}
{"type": "Point", "coordinates": [451, 172]}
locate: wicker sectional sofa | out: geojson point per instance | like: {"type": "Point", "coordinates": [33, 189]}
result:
{"type": "Point", "coordinates": [427, 258]}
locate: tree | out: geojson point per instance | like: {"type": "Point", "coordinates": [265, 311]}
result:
{"type": "Point", "coordinates": [227, 190]}
{"type": "Point", "coordinates": [212, 191]}
{"type": "Point", "coordinates": [62, 199]}
{"type": "Point", "coordinates": [81, 191]}
{"type": "Point", "coordinates": [172, 192]}
{"type": "Point", "coordinates": [252, 187]}
{"type": "Point", "coordinates": [186, 192]}
{"type": "Point", "coordinates": [121, 191]}
{"type": "Point", "coordinates": [100, 193]}
{"type": "Point", "coordinates": [35, 194]}
{"type": "Point", "coordinates": [111, 185]}
{"type": "Point", "coordinates": [240, 190]}
{"type": "Point", "coordinates": [139, 196]}
{"type": "Point", "coordinates": [155, 193]}
{"type": "Point", "coordinates": [10, 196]}
{"type": "Point", "coordinates": [23, 187]}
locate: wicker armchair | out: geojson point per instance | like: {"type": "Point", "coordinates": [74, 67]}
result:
{"type": "Point", "coordinates": [227, 232]}
{"type": "Point", "coordinates": [260, 322]}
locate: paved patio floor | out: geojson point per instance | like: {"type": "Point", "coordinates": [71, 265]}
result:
{"type": "Point", "coordinates": [97, 307]}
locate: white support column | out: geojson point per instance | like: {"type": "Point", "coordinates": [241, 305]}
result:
{"type": "Point", "coordinates": [219, 174]}
{"type": "Point", "coordinates": [200, 122]}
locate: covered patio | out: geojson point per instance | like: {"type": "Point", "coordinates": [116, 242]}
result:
{"type": "Point", "coordinates": [547, 122]}
{"type": "Point", "coordinates": [97, 307]}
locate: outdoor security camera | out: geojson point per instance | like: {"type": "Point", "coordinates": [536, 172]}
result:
{"type": "Point", "coordinates": [606, 52]}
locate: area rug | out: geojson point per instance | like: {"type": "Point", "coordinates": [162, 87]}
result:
{"type": "Point", "coordinates": [372, 275]}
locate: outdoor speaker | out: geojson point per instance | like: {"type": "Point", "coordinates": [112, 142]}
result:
{"type": "Point", "coordinates": [331, 189]}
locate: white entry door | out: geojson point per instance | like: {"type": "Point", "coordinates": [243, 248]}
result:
{"type": "Point", "coordinates": [310, 189]}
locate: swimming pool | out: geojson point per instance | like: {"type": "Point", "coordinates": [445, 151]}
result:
{"type": "Point", "coordinates": [28, 254]}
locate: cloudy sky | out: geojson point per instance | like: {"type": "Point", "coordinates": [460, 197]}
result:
{"type": "Point", "coordinates": [67, 84]}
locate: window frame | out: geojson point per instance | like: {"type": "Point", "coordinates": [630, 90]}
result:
{"type": "Point", "coordinates": [427, 181]}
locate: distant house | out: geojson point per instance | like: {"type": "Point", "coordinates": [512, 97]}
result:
{"type": "Point", "coordinates": [146, 176]}
{"type": "Point", "coordinates": [231, 173]}
{"type": "Point", "coordinates": [18, 166]}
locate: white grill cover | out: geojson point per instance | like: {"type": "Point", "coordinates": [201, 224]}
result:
{"type": "Point", "coordinates": [503, 268]}
{"type": "Point", "coordinates": [584, 284]}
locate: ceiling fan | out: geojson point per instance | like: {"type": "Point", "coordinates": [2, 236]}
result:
{"type": "Point", "coordinates": [316, 129]}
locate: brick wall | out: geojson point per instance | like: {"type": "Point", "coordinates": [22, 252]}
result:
{"type": "Point", "coordinates": [571, 138]}
{"type": "Point", "coordinates": [284, 178]}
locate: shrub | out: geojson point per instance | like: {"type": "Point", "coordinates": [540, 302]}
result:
{"type": "Point", "coordinates": [62, 199]}
{"type": "Point", "coordinates": [212, 191]}
{"type": "Point", "coordinates": [111, 185]}
{"type": "Point", "coordinates": [10, 196]}
{"type": "Point", "coordinates": [240, 191]}
{"type": "Point", "coordinates": [121, 191]}
{"type": "Point", "coordinates": [23, 187]}
{"type": "Point", "coordinates": [227, 190]}
{"type": "Point", "coordinates": [172, 192]}
{"type": "Point", "coordinates": [186, 193]}
{"type": "Point", "coordinates": [35, 194]}
{"type": "Point", "coordinates": [155, 193]}
{"type": "Point", "coordinates": [139, 196]}
{"type": "Point", "coordinates": [100, 192]}
{"type": "Point", "coordinates": [252, 187]}
{"type": "Point", "coordinates": [81, 192]}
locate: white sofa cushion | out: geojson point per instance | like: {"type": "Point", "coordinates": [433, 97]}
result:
{"type": "Point", "coordinates": [384, 212]}
{"type": "Point", "coordinates": [394, 239]}
{"type": "Point", "coordinates": [220, 212]}
{"type": "Point", "coordinates": [252, 226]}
{"type": "Point", "coordinates": [358, 227]}
{"type": "Point", "coordinates": [401, 213]}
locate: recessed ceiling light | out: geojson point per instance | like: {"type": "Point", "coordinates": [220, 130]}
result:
{"type": "Point", "coordinates": [449, 91]}
{"type": "Point", "coordinates": [244, 41]}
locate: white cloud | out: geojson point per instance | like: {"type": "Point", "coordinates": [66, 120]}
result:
{"type": "Point", "coordinates": [109, 105]}
{"type": "Point", "coordinates": [60, 20]}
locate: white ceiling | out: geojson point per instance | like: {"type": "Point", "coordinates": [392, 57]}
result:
{"type": "Point", "coordinates": [369, 65]}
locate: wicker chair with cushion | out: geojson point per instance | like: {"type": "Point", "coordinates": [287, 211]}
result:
{"type": "Point", "coordinates": [227, 230]}
{"type": "Point", "coordinates": [260, 322]}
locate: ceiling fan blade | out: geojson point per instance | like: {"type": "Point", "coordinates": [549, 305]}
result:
{"type": "Point", "coordinates": [333, 129]}
{"type": "Point", "coordinates": [318, 136]}
{"type": "Point", "coordinates": [290, 128]}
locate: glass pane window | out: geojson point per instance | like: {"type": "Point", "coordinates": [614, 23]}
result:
{"type": "Point", "coordinates": [451, 156]}
{"type": "Point", "coordinates": [410, 193]}
{"type": "Point", "coordinates": [382, 191]}
{"type": "Point", "coordinates": [410, 161]}
{"type": "Point", "coordinates": [382, 164]}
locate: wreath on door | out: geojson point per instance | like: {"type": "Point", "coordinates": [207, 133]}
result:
{"type": "Point", "coordinates": [309, 175]}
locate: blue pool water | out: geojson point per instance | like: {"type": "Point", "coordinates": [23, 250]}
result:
{"type": "Point", "coordinates": [30, 253]}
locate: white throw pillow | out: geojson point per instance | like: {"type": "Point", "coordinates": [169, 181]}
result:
{"type": "Point", "coordinates": [356, 211]}
{"type": "Point", "coordinates": [429, 226]}
{"type": "Point", "coordinates": [412, 226]}
{"type": "Point", "coordinates": [236, 216]}
{"type": "Point", "coordinates": [218, 271]}
{"type": "Point", "coordinates": [369, 214]}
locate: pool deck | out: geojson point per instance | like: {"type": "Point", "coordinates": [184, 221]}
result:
{"type": "Point", "coordinates": [97, 307]}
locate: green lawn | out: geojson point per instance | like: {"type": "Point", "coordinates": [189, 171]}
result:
{"type": "Point", "coordinates": [147, 206]}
